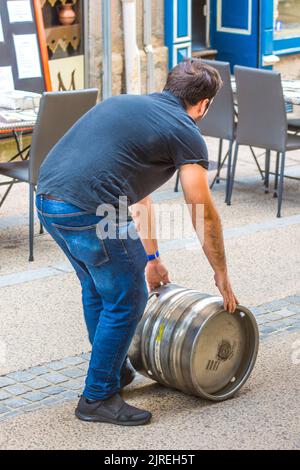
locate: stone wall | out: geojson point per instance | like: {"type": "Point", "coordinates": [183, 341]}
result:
{"type": "Point", "coordinates": [118, 65]}
{"type": "Point", "coordinates": [289, 66]}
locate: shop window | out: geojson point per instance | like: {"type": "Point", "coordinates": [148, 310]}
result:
{"type": "Point", "coordinates": [286, 19]}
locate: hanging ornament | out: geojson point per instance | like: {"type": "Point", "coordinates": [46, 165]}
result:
{"type": "Point", "coordinates": [70, 37]}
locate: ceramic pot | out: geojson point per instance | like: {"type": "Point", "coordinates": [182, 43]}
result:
{"type": "Point", "coordinates": [66, 14]}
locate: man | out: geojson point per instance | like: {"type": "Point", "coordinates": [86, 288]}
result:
{"type": "Point", "coordinates": [126, 147]}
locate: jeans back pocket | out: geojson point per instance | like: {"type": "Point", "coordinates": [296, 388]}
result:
{"type": "Point", "coordinates": [84, 243]}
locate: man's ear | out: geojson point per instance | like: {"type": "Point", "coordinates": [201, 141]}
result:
{"type": "Point", "coordinates": [203, 106]}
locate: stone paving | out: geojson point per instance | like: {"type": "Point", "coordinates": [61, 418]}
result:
{"type": "Point", "coordinates": [57, 381]}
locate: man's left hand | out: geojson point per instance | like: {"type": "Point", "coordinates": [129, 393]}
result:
{"type": "Point", "coordinates": [156, 274]}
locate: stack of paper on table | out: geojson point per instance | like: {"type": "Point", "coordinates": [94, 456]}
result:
{"type": "Point", "coordinates": [19, 99]}
{"type": "Point", "coordinates": [16, 116]}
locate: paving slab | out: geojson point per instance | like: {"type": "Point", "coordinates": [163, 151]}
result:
{"type": "Point", "coordinates": [263, 415]}
{"type": "Point", "coordinates": [45, 320]}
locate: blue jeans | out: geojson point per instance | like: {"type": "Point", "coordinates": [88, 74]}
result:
{"type": "Point", "coordinates": [114, 291]}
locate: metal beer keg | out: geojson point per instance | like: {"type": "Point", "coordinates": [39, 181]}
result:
{"type": "Point", "coordinates": [186, 340]}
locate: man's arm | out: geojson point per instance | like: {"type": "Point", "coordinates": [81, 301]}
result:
{"type": "Point", "coordinates": [194, 180]}
{"type": "Point", "coordinates": [144, 218]}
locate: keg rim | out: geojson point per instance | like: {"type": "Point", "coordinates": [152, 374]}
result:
{"type": "Point", "coordinates": [218, 396]}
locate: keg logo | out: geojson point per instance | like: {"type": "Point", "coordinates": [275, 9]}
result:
{"type": "Point", "coordinates": [160, 333]}
{"type": "Point", "coordinates": [225, 350]}
{"type": "Point", "coordinates": [157, 348]}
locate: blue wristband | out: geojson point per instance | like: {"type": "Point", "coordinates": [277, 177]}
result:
{"type": "Point", "coordinates": [152, 257]}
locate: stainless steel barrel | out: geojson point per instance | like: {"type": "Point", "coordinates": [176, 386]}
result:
{"type": "Point", "coordinates": [186, 340]}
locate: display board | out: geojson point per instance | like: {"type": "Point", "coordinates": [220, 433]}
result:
{"type": "Point", "coordinates": [62, 22]}
{"type": "Point", "coordinates": [21, 63]}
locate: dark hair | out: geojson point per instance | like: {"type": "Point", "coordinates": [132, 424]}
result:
{"type": "Point", "coordinates": [192, 81]}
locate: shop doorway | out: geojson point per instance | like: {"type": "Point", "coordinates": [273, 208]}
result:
{"type": "Point", "coordinates": [199, 24]}
{"type": "Point", "coordinates": [200, 29]}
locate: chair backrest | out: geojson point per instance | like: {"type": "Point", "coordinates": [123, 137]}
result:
{"type": "Point", "coordinates": [57, 113]}
{"type": "Point", "coordinates": [219, 121]}
{"type": "Point", "coordinates": [262, 118]}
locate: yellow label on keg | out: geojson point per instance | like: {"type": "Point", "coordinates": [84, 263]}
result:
{"type": "Point", "coordinates": [160, 333]}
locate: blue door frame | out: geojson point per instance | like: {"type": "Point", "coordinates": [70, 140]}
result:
{"type": "Point", "coordinates": [241, 30]}
{"type": "Point", "coordinates": [178, 29]}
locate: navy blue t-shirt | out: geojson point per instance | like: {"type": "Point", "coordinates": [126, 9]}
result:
{"type": "Point", "coordinates": [127, 145]}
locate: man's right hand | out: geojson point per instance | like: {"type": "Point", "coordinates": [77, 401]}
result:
{"type": "Point", "coordinates": [194, 181]}
{"type": "Point", "coordinates": [224, 286]}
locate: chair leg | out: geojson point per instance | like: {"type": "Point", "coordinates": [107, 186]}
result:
{"type": "Point", "coordinates": [177, 182]}
{"type": "Point", "coordinates": [276, 174]}
{"type": "Point", "coordinates": [257, 163]}
{"type": "Point", "coordinates": [7, 192]}
{"type": "Point", "coordinates": [280, 192]}
{"type": "Point", "coordinates": [41, 225]}
{"type": "Point", "coordinates": [232, 174]}
{"type": "Point", "coordinates": [219, 161]}
{"type": "Point", "coordinates": [228, 170]}
{"type": "Point", "coordinates": [41, 228]}
{"type": "Point", "coordinates": [267, 171]}
{"type": "Point", "coordinates": [221, 166]}
{"type": "Point", "coordinates": [31, 220]}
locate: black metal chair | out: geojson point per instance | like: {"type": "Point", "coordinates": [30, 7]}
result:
{"type": "Point", "coordinates": [262, 122]}
{"type": "Point", "coordinates": [58, 111]}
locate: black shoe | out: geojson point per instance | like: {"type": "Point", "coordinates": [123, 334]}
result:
{"type": "Point", "coordinates": [127, 374]}
{"type": "Point", "coordinates": [113, 410]}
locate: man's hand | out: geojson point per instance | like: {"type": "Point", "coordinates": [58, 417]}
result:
{"type": "Point", "coordinates": [224, 286]}
{"type": "Point", "coordinates": [156, 274]}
